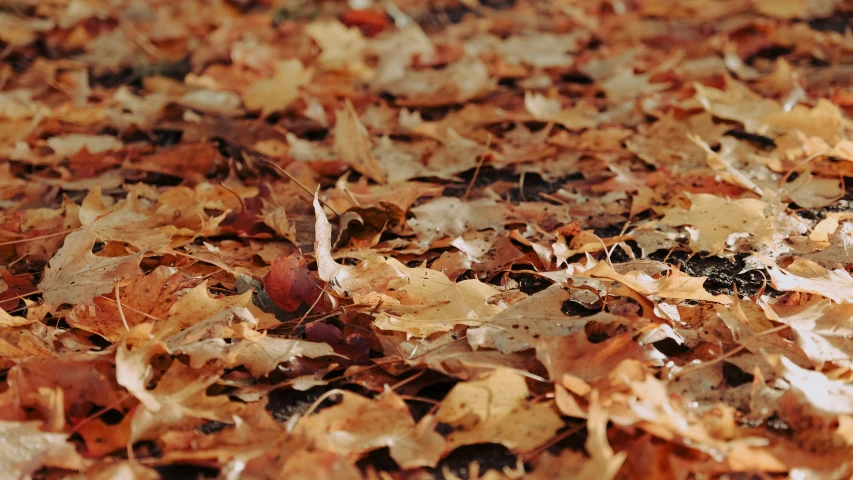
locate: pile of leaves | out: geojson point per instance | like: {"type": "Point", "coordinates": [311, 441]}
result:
{"type": "Point", "coordinates": [268, 239]}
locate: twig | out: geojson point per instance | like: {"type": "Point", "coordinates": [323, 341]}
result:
{"type": "Point", "coordinates": [239, 198]}
{"type": "Point", "coordinates": [203, 260]}
{"type": "Point", "coordinates": [120, 310]}
{"type": "Point", "coordinates": [407, 380]}
{"type": "Point", "coordinates": [40, 237]}
{"type": "Point", "coordinates": [303, 187]}
{"type": "Point", "coordinates": [479, 165]}
{"type": "Point", "coordinates": [316, 301]}
{"type": "Point", "coordinates": [807, 160]}
{"type": "Point", "coordinates": [146, 315]}
{"type": "Point", "coordinates": [730, 353]}
{"type": "Point", "coordinates": [553, 441]}
{"type": "Point", "coordinates": [99, 413]}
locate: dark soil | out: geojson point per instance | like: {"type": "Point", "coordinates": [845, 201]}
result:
{"type": "Point", "coordinates": [724, 274]}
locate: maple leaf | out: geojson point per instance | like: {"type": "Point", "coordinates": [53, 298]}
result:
{"type": "Point", "coordinates": [69, 144]}
{"type": "Point", "coordinates": [551, 110]}
{"type": "Point", "coordinates": [340, 45]}
{"type": "Point", "coordinates": [819, 393]}
{"type": "Point", "coordinates": [430, 302]}
{"type": "Point", "coordinates": [181, 399]}
{"type": "Point", "coordinates": [358, 425]}
{"type": "Point", "coordinates": [822, 329]}
{"type": "Point", "coordinates": [258, 353]}
{"type": "Point", "coordinates": [452, 217]}
{"type": "Point", "coordinates": [604, 462]}
{"type": "Point", "coordinates": [717, 222]}
{"type": "Point", "coordinates": [675, 285]}
{"type": "Point", "coordinates": [541, 132]}
{"type": "Point", "coordinates": [807, 276]}
{"type": "Point", "coordinates": [130, 221]}
{"type": "Point", "coordinates": [518, 327]}
{"type": "Point", "coordinates": [75, 275]}
{"type": "Point", "coordinates": [289, 283]}
{"type": "Point", "coordinates": [83, 379]}
{"type": "Point", "coordinates": [26, 449]}
{"type": "Point", "coordinates": [197, 305]}
{"type": "Point", "coordinates": [279, 91]}
{"type": "Point", "coordinates": [496, 410]}
{"type": "Point", "coordinates": [576, 356]}
{"type": "Point", "coordinates": [143, 299]}
{"type": "Point", "coordinates": [352, 143]}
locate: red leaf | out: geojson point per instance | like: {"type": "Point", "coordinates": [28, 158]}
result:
{"type": "Point", "coordinates": [289, 282]}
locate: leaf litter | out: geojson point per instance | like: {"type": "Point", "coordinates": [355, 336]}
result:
{"type": "Point", "coordinates": [407, 239]}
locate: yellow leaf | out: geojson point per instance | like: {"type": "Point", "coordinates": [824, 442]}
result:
{"type": "Point", "coordinates": [76, 275]}
{"type": "Point", "coordinates": [352, 143]}
{"type": "Point", "coordinates": [496, 410]}
{"type": "Point", "coordinates": [278, 92]}
{"type": "Point", "coordinates": [197, 305]}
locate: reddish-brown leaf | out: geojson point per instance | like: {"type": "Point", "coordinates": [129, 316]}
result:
{"type": "Point", "coordinates": [289, 282]}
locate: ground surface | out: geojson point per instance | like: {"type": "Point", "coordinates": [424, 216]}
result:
{"type": "Point", "coordinates": [269, 239]}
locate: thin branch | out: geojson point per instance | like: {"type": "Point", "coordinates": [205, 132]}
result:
{"type": "Point", "coordinates": [480, 162]}
{"type": "Point", "coordinates": [303, 187]}
{"type": "Point", "coordinates": [120, 310]}
{"type": "Point", "coordinates": [40, 237]}
{"type": "Point", "coordinates": [730, 353]}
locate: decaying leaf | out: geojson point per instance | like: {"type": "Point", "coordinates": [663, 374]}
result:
{"type": "Point", "coordinates": [594, 240]}
{"type": "Point", "coordinates": [358, 425]}
{"type": "Point", "coordinates": [496, 409]}
{"type": "Point", "coordinates": [352, 143]}
{"type": "Point", "coordinates": [26, 449]}
{"type": "Point", "coordinates": [716, 223]}
{"type": "Point", "coordinates": [75, 275]}
{"type": "Point", "coordinates": [278, 92]}
{"type": "Point", "coordinates": [806, 276]}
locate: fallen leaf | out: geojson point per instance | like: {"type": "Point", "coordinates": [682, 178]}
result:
{"type": "Point", "coordinates": [496, 410]}
{"type": "Point", "coordinates": [290, 284]}
{"type": "Point", "coordinates": [279, 91]}
{"type": "Point", "coordinates": [67, 145]}
{"type": "Point", "coordinates": [352, 143]}
{"type": "Point", "coordinates": [806, 276]}
{"type": "Point", "coordinates": [197, 305]}
{"type": "Point", "coordinates": [75, 275]}
{"type": "Point", "coordinates": [26, 449]}
{"type": "Point", "coordinates": [359, 425]}
{"type": "Point", "coordinates": [144, 299]}
{"type": "Point", "coordinates": [716, 223]}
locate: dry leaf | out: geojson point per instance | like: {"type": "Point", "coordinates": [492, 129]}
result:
{"type": "Point", "coordinates": [806, 276]}
{"type": "Point", "coordinates": [75, 275]}
{"type": "Point", "coordinates": [352, 143]}
{"type": "Point", "coordinates": [716, 223]}
{"type": "Point", "coordinates": [496, 410]}
{"type": "Point", "coordinates": [359, 425]}
{"type": "Point", "coordinates": [279, 91]}
{"type": "Point", "coordinates": [26, 449]}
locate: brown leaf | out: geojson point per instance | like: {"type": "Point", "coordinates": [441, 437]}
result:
{"type": "Point", "coordinates": [352, 144]}
{"type": "Point", "coordinates": [145, 299]}
{"type": "Point", "coordinates": [290, 284]}
{"type": "Point", "coordinates": [26, 449]}
{"type": "Point", "coordinates": [77, 276]}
